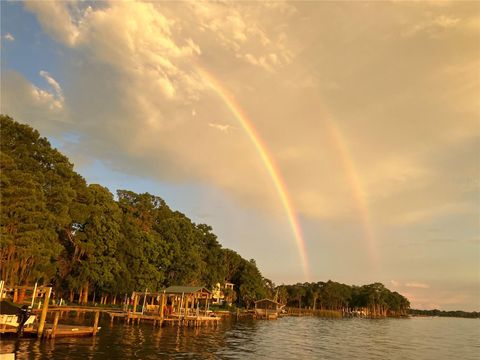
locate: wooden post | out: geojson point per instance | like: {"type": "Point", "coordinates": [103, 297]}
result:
{"type": "Point", "coordinates": [186, 306]}
{"type": "Point", "coordinates": [43, 316]}
{"type": "Point", "coordinates": [181, 306]}
{"type": "Point", "coordinates": [135, 302]}
{"type": "Point", "coordinates": [162, 305]}
{"type": "Point", "coordinates": [125, 303]}
{"type": "Point", "coordinates": [95, 323]}
{"type": "Point", "coordinates": [34, 294]}
{"type": "Point", "coordinates": [144, 301]}
{"type": "Point", "coordinates": [55, 324]}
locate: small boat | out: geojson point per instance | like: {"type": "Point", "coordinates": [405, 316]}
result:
{"type": "Point", "coordinates": [14, 317]}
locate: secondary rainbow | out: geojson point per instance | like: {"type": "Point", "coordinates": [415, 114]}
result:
{"type": "Point", "coordinates": [267, 160]}
{"type": "Point", "coordinates": [357, 189]}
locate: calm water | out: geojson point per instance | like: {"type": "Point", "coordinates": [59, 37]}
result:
{"type": "Point", "coordinates": [287, 338]}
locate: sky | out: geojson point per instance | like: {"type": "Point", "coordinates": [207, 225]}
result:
{"type": "Point", "coordinates": [326, 140]}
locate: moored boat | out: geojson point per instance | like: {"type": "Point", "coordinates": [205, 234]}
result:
{"type": "Point", "coordinates": [14, 317]}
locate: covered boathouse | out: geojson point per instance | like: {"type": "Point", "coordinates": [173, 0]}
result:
{"type": "Point", "coordinates": [267, 309]}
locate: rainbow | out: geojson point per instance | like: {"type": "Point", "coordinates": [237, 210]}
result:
{"type": "Point", "coordinates": [267, 160]}
{"type": "Point", "coordinates": [358, 194]}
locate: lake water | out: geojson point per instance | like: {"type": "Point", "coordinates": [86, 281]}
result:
{"type": "Point", "coordinates": [286, 338]}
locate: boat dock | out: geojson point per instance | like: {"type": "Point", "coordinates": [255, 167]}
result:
{"type": "Point", "coordinates": [50, 332]}
{"type": "Point", "coordinates": [189, 320]}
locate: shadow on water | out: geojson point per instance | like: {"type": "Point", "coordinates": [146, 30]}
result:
{"type": "Point", "coordinates": [287, 338]}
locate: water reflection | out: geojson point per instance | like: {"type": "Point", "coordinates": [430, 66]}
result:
{"type": "Point", "coordinates": [288, 338]}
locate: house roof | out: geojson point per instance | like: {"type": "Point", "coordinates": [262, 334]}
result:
{"type": "Point", "coordinates": [186, 289]}
{"type": "Point", "coordinates": [267, 300]}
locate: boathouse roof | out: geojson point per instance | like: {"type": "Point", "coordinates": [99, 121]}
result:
{"type": "Point", "coordinates": [186, 290]}
{"type": "Point", "coordinates": [267, 301]}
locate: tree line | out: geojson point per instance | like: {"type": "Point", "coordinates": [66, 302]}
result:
{"type": "Point", "coordinates": [57, 229]}
{"type": "Point", "coordinates": [370, 300]}
{"type": "Point", "coordinates": [443, 313]}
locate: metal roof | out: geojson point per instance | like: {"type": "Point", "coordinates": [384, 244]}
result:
{"type": "Point", "coordinates": [186, 289]}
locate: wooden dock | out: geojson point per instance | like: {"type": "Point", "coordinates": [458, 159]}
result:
{"type": "Point", "coordinates": [189, 320]}
{"type": "Point", "coordinates": [49, 332]}
{"type": "Point", "coordinates": [69, 330]}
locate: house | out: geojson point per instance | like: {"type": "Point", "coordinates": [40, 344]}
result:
{"type": "Point", "coordinates": [223, 294]}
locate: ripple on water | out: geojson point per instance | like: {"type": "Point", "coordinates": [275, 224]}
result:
{"type": "Point", "coordinates": [286, 338]}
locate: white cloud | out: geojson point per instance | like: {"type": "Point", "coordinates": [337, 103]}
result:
{"type": "Point", "coordinates": [9, 37]}
{"type": "Point", "coordinates": [27, 102]}
{"type": "Point", "coordinates": [55, 86]}
{"type": "Point", "coordinates": [64, 27]}
{"type": "Point", "coordinates": [221, 127]}
{"type": "Point", "coordinates": [241, 29]}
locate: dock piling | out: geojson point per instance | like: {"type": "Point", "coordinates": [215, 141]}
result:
{"type": "Point", "coordinates": [95, 324]}
{"type": "Point", "coordinates": [43, 316]}
{"type": "Point", "coordinates": [55, 324]}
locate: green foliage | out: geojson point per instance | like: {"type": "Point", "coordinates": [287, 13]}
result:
{"type": "Point", "coordinates": [57, 229]}
{"type": "Point", "coordinates": [35, 197]}
{"type": "Point", "coordinates": [374, 299]}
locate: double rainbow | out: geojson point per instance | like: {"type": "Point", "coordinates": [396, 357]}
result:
{"type": "Point", "coordinates": [341, 148]}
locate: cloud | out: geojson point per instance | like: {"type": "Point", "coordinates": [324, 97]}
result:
{"type": "Point", "coordinates": [30, 103]}
{"type": "Point", "coordinates": [377, 144]}
{"type": "Point", "coordinates": [221, 127]}
{"type": "Point", "coordinates": [9, 37]}
{"type": "Point", "coordinates": [442, 295]}
{"type": "Point", "coordinates": [64, 27]}
{"type": "Point", "coordinates": [433, 26]}
{"type": "Point", "coordinates": [395, 283]}
{"type": "Point", "coordinates": [415, 284]}
{"type": "Point", "coordinates": [241, 30]}
{"type": "Point", "coordinates": [409, 284]}
{"type": "Point", "coordinates": [55, 86]}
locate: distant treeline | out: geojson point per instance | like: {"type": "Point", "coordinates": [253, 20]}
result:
{"type": "Point", "coordinates": [369, 300]}
{"type": "Point", "coordinates": [442, 313]}
{"type": "Point", "coordinates": [56, 229]}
